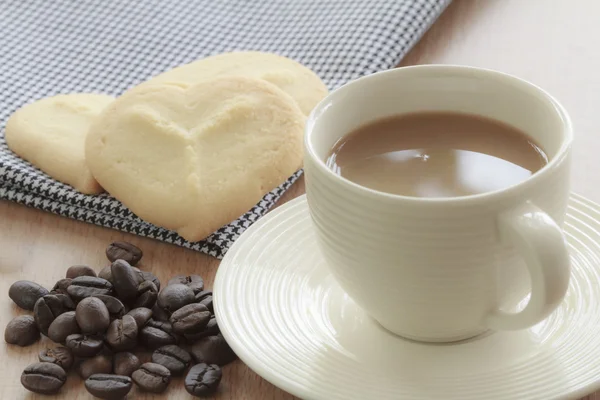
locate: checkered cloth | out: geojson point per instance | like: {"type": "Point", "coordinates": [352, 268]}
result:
{"type": "Point", "coordinates": [63, 46]}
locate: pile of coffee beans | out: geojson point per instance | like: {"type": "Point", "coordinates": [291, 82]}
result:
{"type": "Point", "coordinates": [103, 322]}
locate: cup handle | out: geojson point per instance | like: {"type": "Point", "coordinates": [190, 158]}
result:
{"type": "Point", "coordinates": [541, 243]}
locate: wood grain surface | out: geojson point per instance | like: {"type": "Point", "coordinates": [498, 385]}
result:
{"type": "Point", "coordinates": [553, 43]}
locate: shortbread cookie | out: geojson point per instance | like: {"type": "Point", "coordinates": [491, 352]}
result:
{"type": "Point", "coordinates": [195, 158]}
{"type": "Point", "coordinates": [50, 134]}
{"type": "Point", "coordinates": [301, 83]}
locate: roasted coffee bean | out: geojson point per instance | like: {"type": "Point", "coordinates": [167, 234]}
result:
{"type": "Point", "coordinates": [123, 251]}
{"type": "Point", "coordinates": [154, 338]}
{"type": "Point", "coordinates": [80, 270]}
{"type": "Point", "coordinates": [141, 315]}
{"type": "Point", "coordinates": [60, 287]}
{"type": "Point", "coordinates": [162, 325]}
{"type": "Point", "coordinates": [87, 286]}
{"type": "Point", "coordinates": [194, 282]}
{"type": "Point", "coordinates": [206, 299]}
{"type": "Point", "coordinates": [151, 377]}
{"type": "Point", "coordinates": [26, 293]}
{"type": "Point", "coordinates": [149, 276]}
{"type": "Point", "coordinates": [107, 386]}
{"type": "Point", "coordinates": [60, 356]}
{"type": "Point", "coordinates": [59, 302]}
{"type": "Point", "coordinates": [66, 301]}
{"type": "Point", "coordinates": [43, 378]}
{"type": "Point", "coordinates": [203, 379]}
{"type": "Point", "coordinates": [84, 346]}
{"type": "Point", "coordinates": [146, 296]}
{"type": "Point", "coordinates": [125, 280]}
{"type": "Point", "coordinates": [122, 333]}
{"type": "Point", "coordinates": [213, 350]}
{"type": "Point", "coordinates": [211, 329]}
{"type": "Point", "coordinates": [99, 364]}
{"type": "Point", "coordinates": [92, 315]}
{"type": "Point", "coordinates": [158, 314]}
{"type": "Point", "coordinates": [192, 318]}
{"type": "Point", "coordinates": [46, 309]}
{"type": "Point", "coordinates": [22, 331]}
{"type": "Point", "coordinates": [62, 326]}
{"type": "Point", "coordinates": [115, 308]}
{"type": "Point", "coordinates": [173, 357]}
{"type": "Point", "coordinates": [175, 296]}
{"type": "Point", "coordinates": [105, 273]}
{"type": "Point", "coordinates": [125, 363]}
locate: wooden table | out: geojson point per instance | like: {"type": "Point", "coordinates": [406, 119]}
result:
{"type": "Point", "coordinates": [553, 43]}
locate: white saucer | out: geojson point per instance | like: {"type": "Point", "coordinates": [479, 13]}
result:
{"type": "Point", "coordinates": [286, 318]}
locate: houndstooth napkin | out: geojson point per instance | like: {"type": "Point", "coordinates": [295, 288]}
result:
{"type": "Point", "coordinates": [107, 46]}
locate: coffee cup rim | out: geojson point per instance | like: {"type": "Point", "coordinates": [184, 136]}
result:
{"type": "Point", "coordinates": [323, 105]}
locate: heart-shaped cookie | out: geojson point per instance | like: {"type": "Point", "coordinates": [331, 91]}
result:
{"type": "Point", "coordinates": [305, 87]}
{"type": "Point", "coordinates": [50, 134]}
{"type": "Point", "coordinates": [194, 158]}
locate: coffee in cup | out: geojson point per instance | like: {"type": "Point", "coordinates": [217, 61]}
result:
{"type": "Point", "coordinates": [442, 252]}
{"type": "Point", "coordinates": [436, 154]}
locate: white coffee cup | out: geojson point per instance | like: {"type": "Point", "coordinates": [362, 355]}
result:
{"type": "Point", "coordinates": [444, 269]}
